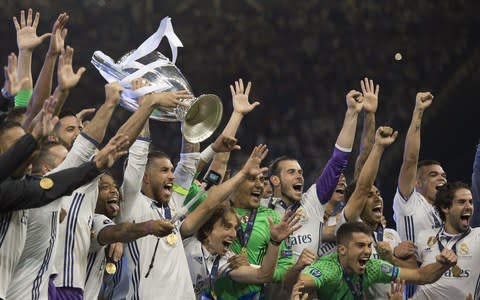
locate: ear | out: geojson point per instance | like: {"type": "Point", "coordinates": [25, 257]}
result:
{"type": "Point", "coordinates": [146, 179]}
{"type": "Point", "coordinates": [445, 210]}
{"type": "Point", "coordinates": [275, 180]}
{"type": "Point", "coordinates": [342, 250]}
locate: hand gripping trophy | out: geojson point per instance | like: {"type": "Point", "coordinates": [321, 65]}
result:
{"type": "Point", "coordinates": [203, 116]}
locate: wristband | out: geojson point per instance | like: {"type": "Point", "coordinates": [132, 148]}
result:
{"type": "Point", "coordinates": [207, 154]}
{"type": "Point", "coordinates": [23, 97]}
{"type": "Point", "coordinates": [6, 94]}
{"type": "Point", "coordinates": [275, 243]}
{"type": "Point", "coordinates": [149, 227]}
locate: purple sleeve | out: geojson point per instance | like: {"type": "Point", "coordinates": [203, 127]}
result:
{"type": "Point", "coordinates": [476, 189]}
{"type": "Point", "coordinates": [327, 181]}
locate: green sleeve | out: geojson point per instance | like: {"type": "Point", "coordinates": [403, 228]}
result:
{"type": "Point", "coordinates": [380, 271]}
{"type": "Point", "coordinates": [285, 259]}
{"type": "Point", "coordinates": [321, 272]}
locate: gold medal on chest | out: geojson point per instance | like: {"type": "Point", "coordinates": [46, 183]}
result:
{"type": "Point", "coordinates": [243, 251]}
{"type": "Point", "coordinates": [110, 268]}
{"type": "Point", "coordinates": [172, 239]}
{"type": "Point", "coordinates": [431, 241]}
{"type": "Point", "coordinates": [456, 271]}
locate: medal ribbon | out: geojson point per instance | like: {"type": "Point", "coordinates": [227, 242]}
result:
{"type": "Point", "coordinates": [357, 291]}
{"type": "Point", "coordinates": [245, 236]}
{"type": "Point", "coordinates": [454, 247]}
{"type": "Point", "coordinates": [379, 232]}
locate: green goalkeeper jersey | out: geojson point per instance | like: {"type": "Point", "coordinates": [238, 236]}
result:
{"type": "Point", "coordinates": [227, 289]}
{"type": "Point", "coordinates": [327, 275]}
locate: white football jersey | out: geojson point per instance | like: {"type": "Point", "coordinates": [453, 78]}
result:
{"type": "Point", "coordinates": [311, 218]}
{"type": "Point", "coordinates": [468, 253]}
{"type": "Point", "coordinates": [96, 258]}
{"type": "Point", "coordinates": [13, 231]}
{"type": "Point", "coordinates": [200, 263]}
{"type": "Point", "coordinates": [169, 278]}
{"type": "Point", "coordinates": [75, 229]}
{"type": "Point", "coordinates": [35, 266]}
{"type": "Point", "coordinates": [413, 215]}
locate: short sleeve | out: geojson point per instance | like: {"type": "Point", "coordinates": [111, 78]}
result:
{"type": "Point", "coordinates": [98, 224]}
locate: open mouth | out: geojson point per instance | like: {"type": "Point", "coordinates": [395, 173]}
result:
{"type": "Point", "coordinates": [256, 194]}
{"type": "Point", "coordinates": [226, 245]}
{"type": "Point", "coordinates": [465, 218]}
{"type": "Point", "coordinates": [168, 187]}
{"type": "Point", "coordinates": [340, 191]}
{"type": "Point", "coordinates": [113, 203]}
{"type": "Point", "coordinates": [377, 211]}
{"type": "Point", "coordinates": [298, 187]}
{"type": "Point", "coordinates": [363, 263]}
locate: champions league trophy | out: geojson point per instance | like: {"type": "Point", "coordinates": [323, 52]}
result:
{"type": "Point", "coordinates": [203, 116]}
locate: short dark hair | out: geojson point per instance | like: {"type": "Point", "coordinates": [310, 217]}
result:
{"type": "Point", "coordinates": [219, 213]}
{"type": "Point", "coordinates": [152, 155]}
{"type": "Point", "coordinates": [346, 230]}
{"type": "Point", "coordinates": [43, 155]}
{"type": "Point", "coordinates": [445, 195]}
{"type": "Point", "coordinates": [427, 162]}
{"type": "Point", "coordinates": [274, 165]}
{"type": "Point", "coordinates": [67, 112]}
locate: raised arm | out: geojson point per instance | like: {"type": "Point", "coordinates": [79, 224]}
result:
{"type": "Point", "coordinates": [12, 84]}
{"type": "Point", "coordinates": [476, 188]}
{"type": "Point", "coordinates": [370, 104]}
{"type": "Point", "coordinates": [241, 107]}
{"type": "Point", "coordinates": [384, 137]}
{"type": "Point", "coordinates": [67, 78]}
{"type": "Point", "coordinates": [408, 170]}
{"type": "Point", "coordinates": [43, 85]}
{"type": "Point", "coordinates": [27, 41]}
{"type": "Point", "coordinates": [431, 272]}
{"type": "Point", "coordinates": [97, 127]}
{"type": "Point", "coordinates": [219, 193]}
{"type": "Point", "coordinates": [264, 274]}
{"type": "Point", "coordinates": [328, 180]}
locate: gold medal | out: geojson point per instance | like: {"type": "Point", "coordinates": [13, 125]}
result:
{"type": "Point", "coordinates": [46, 183]}
{"type": "Point", "coordinates": [172, 239]}
{"type": "Point", "coordinates": [110, 268]}
{"type": "Point", "coordinates": [456, 271]}
{"type": "Point", "coordinates": [431, 241]}
{"type": "Point", "coordinates": [243, 251]}
{"type": "Point", "coordinates": [214, 296]}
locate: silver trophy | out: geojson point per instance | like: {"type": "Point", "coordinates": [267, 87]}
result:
{"type": "Point", "coordinates": [199, 120]}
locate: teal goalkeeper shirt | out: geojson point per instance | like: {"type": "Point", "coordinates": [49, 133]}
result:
{"type": "Point", "coordinates": [225, 288]}
{"type": "Point", "coordinates": [327, 275]}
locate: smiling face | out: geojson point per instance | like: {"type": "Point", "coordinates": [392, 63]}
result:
{"type": "Point", "coordinates": [289, 180]}
{"type": "Point", "coordinates": [459, 214]}
{"type": "Point", "coordinates": [249, 192]}
{"type": "Point", "coordinates": [108, 197]}
{"type": "Point", "coordinates": [355, 254]}
{"type": "Point", "coordinates": [158, 179]}
{"type": "Point", "coordinates": [429, 178]}
{"type": "Point", "coordinates": [373, 210]}
{"type": "Point", "coordinates": [222, 235]}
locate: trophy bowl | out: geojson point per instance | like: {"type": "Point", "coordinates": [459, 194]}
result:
{"type": "Point", "coordinates": [199, 121]}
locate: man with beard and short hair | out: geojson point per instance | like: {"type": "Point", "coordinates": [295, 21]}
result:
{"type": "Point", "coordinates": [67, 128]}
{"type": "Point", "coordinates": [454, 204]}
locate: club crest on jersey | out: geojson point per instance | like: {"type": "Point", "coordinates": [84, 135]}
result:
{"type": "Point", "coordinates": [388, 236]}
{"type": "Point", "coordinates": [386, 268]}
{"type": "Point", "coordinates": [315, 273]}
{"type": "Point", "coordinates": [431, 241]}
{"type": "Point", "coordinates": [300, 214]}
{"type": "Point", "coordinates": [463, 250]}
